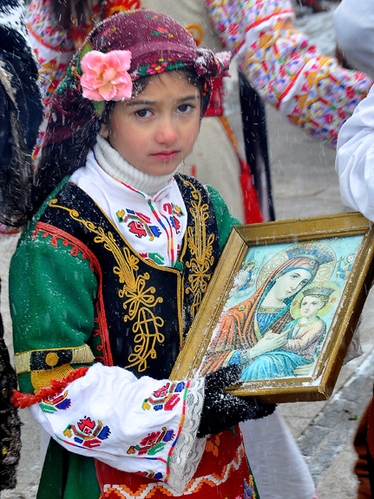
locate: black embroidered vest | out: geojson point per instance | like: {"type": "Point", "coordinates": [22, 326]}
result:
{"type": "Point", "coordinates": [143, 311]}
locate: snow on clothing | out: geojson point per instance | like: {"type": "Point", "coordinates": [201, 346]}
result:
{"type": "Point", "coordinates": [301, 344]}
{"type": "Point", "coordinates": [88, 244]}
{"type": "Point", "coordinates": [355, 34]}
{"type": "Point", "coordinates": [355, 157]}
{"type": "Point", "coordinates": [313, 91]}
{"type": "Point", "coordinates": [223, 167]}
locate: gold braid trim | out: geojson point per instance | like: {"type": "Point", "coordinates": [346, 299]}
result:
{"type": "Point", "coordinates": [80, 355]}
{"type": "Point", "coordinates": [138, 299]}
{"type": "Point", "coordinates": [42, 379]}
{"type": "Point", "coordinates": [201, 249]}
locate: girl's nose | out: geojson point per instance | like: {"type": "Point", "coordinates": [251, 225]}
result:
{"type": "Point", "coordinates": [167, 132]}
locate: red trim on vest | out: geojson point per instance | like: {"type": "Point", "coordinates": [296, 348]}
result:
{"type": "Point", "coordinates": [102, 327]}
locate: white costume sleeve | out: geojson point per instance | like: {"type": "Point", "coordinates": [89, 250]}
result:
{"type": "Point", "coordinates": [134, 425]}
{"type": "Point", "coordinates": [354, 29]}
{"type": "Point", "coordinates": [355, 158]}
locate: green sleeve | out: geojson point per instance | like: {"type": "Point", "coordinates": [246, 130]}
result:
{"type": "Point", "coordinates": [224, 218]}
{"type": "Point", "coordinates": [52, 289]}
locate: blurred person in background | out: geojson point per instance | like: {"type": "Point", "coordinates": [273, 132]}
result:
{"type": "Point", "coordinates": [354, 164]}
{"type": "Point", "coordinates": [20, 116]}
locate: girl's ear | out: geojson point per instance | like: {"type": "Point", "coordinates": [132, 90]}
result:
{"type": "Point", "coordinates": [104, 130]}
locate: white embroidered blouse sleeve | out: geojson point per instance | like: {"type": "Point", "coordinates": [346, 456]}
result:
{"type": "Point", "coordinates": [131, 424]}
{"type": "Point", "coordinates": [355, 159]}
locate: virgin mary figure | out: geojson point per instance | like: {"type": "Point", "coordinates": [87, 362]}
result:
{"type": "Point", "coordinates": [257, 325]}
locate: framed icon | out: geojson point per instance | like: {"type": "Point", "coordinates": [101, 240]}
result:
{"type": "Point", "coordinates": [283, 304]}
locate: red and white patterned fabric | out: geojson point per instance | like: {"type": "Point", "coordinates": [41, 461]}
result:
{"type": "Point", "coordinates": [287, 70]}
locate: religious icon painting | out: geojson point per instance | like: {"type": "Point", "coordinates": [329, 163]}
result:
{"type": "Point", "coordinates": [283, 304]}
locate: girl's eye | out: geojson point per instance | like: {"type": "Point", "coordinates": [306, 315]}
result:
{"type": "Point", "coordinates": [185, 108]}
{"type": "Point", "coordinates": [143, 113]}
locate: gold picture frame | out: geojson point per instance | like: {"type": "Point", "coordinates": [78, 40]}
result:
{"type": "Point", "coordinates": [283, 303]}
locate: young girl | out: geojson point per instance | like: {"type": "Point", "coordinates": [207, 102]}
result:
{"type": "Point", "coordinates": [118, 259]}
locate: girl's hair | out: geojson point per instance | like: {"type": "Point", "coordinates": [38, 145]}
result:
{"type": "Point", "coordinates": [75, 13]}
{"type": "Point", "coordinates": [61, 159]}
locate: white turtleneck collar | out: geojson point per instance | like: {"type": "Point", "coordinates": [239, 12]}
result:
{"type": "Point", "coordinates": [117, 167]}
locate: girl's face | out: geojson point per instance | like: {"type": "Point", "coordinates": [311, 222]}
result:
{"type": "Point", "coordinates": [309, 306]}
{"type": "Point", "coordinates": [290, 283]}
{"type": "Point", "coordinates": [155, 130]}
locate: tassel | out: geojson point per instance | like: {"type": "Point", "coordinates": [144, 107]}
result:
{"type": "Point", "coordinates": [252, 210]}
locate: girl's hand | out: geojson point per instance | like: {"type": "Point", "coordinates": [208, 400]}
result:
{"type": "Point", "coordinates": [223, 410]}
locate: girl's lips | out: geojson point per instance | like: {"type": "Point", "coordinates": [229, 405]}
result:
{"type": "Point", "coordinates": [166, 155]}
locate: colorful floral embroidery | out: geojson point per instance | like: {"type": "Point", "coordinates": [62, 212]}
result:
{"type": "Point", "coordinates": [153, 443]}
{"type": "Point", "coordinates": [58, 401]}
{"type": "Point", "coordinates": [166, 398]}
{"type": "Point", "coordinates": [150, 474]}
{"type": "Point", "coordinates": [154, 257]}
{"type": "Point", "coordinates": [108, 33]}
{"type": "Point", "coordinates": [162, 32]}
{"type": "Point", "coordinates": [249, 491]}
{"type": "Point", "coordinates": [87, 433]}
{"type": "Point", "coordinates": [164, 222]}
{"type": "Point", "coordinates": [141, 225]}
{"type": "Point", "coordinates": [138, 224]}
{"type": "Point", "coordinates": [159, 67]}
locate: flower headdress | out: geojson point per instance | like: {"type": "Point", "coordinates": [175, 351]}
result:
{"type": "Point", "coordinates": [119, 51]}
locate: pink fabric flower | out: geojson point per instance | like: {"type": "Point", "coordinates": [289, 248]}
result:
{"type": "Point", "coordinates": [105, 76]}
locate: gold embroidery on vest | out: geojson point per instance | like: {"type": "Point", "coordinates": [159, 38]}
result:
{"type": "Point", "coordinates": [138, 299]}
{"type": "Point", "coordinates": [200, 247]}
